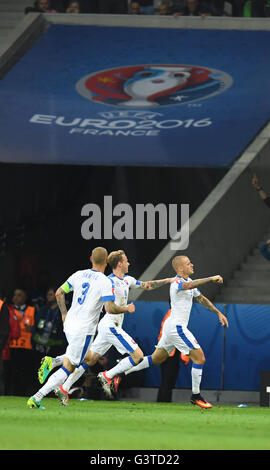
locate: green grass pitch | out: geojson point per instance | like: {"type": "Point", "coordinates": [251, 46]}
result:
{"type": "Point", "coordinates": [105, 425]}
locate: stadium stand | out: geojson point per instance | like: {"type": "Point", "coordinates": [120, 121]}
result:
{"type": "Point", "coordinates": [11, 13]}
{"type": "Point", "coordinates": [249, 284]}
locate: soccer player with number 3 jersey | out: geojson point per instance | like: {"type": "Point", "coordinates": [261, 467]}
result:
{"type": "Point", "coordinates": [91, 290]}
{"type": "Point", "coordinates": [110, 331]}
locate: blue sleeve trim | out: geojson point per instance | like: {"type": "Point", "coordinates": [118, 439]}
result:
{"type": "Point", "coordinates": [107, 297]}
{"type": "Point", "coordinates": [180, 285]}
{"type": "Point", "coordinates": [138, 283]}
{"type": "Point", "coordinates": [111, 279]}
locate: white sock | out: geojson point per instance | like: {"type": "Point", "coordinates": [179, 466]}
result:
{"type": "Point", "coordinates": [146, 362]}
{"type": "Point", "coordinates": [58, 361]}
{"type": "Point", "coordinates": [196, 377]}
{"type": "Point", "coordinates": [72, 378]}
{"type": "Point", "coordinates": [121, 367]}
{"type": "Point", "coordinates": [54, 381]}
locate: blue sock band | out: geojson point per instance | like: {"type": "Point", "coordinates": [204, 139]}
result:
{"type": "Point", "coordinates": [197, 366]}
{"type": "Point", "coordinates": [85, 366]}
{"type": "Point", "coordinates": [150, 360]}
{"type": "Point", "coordinates": [65, 370]}
{"type": "Point", "coordinates": [132, 362]}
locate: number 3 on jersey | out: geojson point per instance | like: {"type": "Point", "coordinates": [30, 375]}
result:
{"type": "Point", "coordinates": [85, 289]}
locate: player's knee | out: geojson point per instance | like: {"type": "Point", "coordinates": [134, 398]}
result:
{"type": "Point", "coordinates": [91, 359]}
{"type": "Point", "coordinates": [201, 359]}
{"type": "Point", "coordinates": [197, 356]}
{"type": "Point", "coordinates": [68, 365]}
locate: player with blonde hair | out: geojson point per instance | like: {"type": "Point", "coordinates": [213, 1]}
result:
{"type": "Point", "coordinates": [91, 290]}
{"type": "Point", "coordinates": [110, 331]}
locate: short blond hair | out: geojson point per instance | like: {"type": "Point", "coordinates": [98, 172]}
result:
{"type": "Point", "coordinates": [177, 261]}
{"type": "Point", "coordinates": [114, 258]}
{"type": "Point", "coordinates": [99, 256]}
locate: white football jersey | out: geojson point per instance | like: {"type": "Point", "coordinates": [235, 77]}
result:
{"type": "Point", "coordinates": [181, 301]}
{"type": "Point", "coordinates": [121, 291]}
{"type": "Point", "coordinates": [90, 290]}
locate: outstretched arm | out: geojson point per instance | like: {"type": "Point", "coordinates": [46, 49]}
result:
{"type": "Point", "coordinates": [151, 285]}
{"type": "Point", "coordinates": [200, 282]}
{"type": "Point", "coordinates": [201, 299]}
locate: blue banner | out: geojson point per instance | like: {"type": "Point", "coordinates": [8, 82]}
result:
{"type": "Point", "coordinates": [247, 346]}
{"type": "Point", "coordinates": [136, 96]}
{"type": "Point", "coordinates": [234, 356]}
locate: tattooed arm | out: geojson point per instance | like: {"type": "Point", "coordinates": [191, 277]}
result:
{"type": "Point", "coordinates": [151, 285]}
{"type": "Point", "coordinates": [200, 282]}
{"type": "Point", "coordinates": [201, 299]}
{"type": "Point", "coordinates": [60, 297]}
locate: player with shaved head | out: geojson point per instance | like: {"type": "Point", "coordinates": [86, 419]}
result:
{"type": "Point", "coordinates": [175, 332]}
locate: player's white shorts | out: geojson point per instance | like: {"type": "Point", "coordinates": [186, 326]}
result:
{"type": "Point", "coordinates": [78, 346]}
{"type": "Point", "coordinates": [177, 336]}
{"type": "Point", "coordinates": [115, 336]}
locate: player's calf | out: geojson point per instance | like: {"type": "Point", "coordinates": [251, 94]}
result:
{"type": "Point", "coordinates": [159, 356]}
{"type": "Point", "coordinates": [137, 356]}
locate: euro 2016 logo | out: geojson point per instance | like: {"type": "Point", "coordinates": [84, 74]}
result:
{"type": "Point", "coordinates": [145, 86]}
